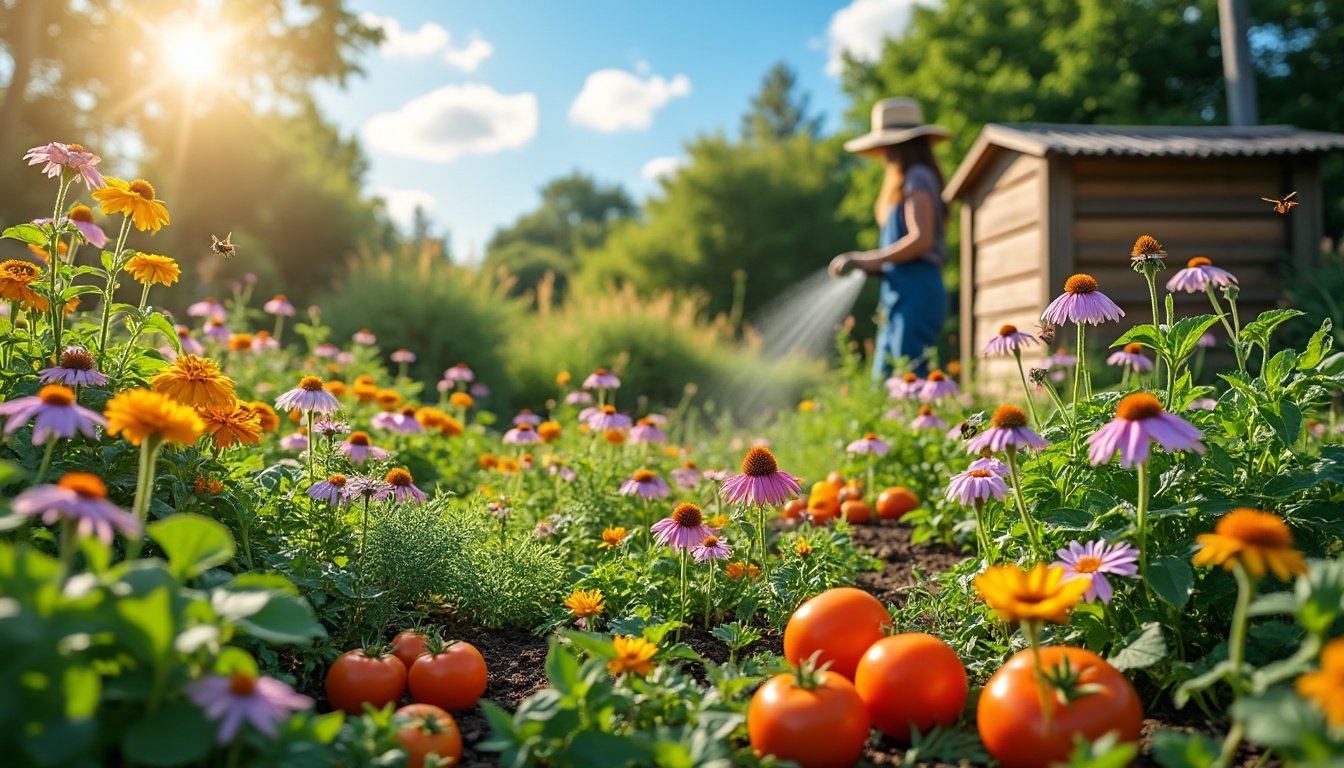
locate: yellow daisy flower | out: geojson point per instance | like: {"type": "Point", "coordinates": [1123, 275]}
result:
{"type": "Point", "coordinates": [1257, 540]}
{"type": "Point", "coordinates": [584, 603]}
{"type": "Point", "coordinates": [135, 200]}
{"type": "Point", "coordinates": [633, 654]}
{"type": "Point", "coordinates": [1325, 688]}
{"type": "Point", "coordinates": [151, 269]}
{"type": "Point", "coordinates": [613, 537]}
{"type": "Point", "coordinates": [1041, 593]}
{"type": "Point", "coordinates": [194, 381]}
{"type": "Point", "coordinates": [229, 426]}
{"type": "Point", "coordinates": [139, 414]}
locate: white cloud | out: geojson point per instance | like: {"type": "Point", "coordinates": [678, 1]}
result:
{"type": "Point", "coordinates": [455, 120]}
{"type": "Point", "coordinates": [615, 100]}
{"type": "Point", "coordinates": [659, 167]}
{"type": "Point", "coordinates": [861, 27]}
{"type": "Point", "coordinates": [430, 39]}
{"type": "Point", "coordinates": [401, 204]}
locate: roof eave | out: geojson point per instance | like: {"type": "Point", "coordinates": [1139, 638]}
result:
{"type": "Point", "coordinates": [992, 136]}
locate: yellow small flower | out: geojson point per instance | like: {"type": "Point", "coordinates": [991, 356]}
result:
{"type": "Point", "coordinates": [508, 465]}
{"type": "Point", "coordinates": [135, 200]}
{"type": "Point", "coordinates": [1257, 540]}
{"type": "Point", "coordinates": [138, 414]}
{"type": "Point", "coordinates": [195, 381]}
{"type": "Point", "coordinates": [451, 427]}
{"type": "Point", "coordinates": [487, 461]}
{"type": "Point", "coordinates": [208, 486]}
{"type": "Point", "coordinates": [366, 393]}
{"type": "Point", "coordinates": [613, 537]}
{"type": "Point", "coordinates": [753, 571]}
{"type": "Point", "coordinates": [460, 400]}
{"type": "Point", "coordinates": [430, 417]}
{"type": "Point", "coordinates": [1041, 593]}
{"type": "Point", "coordinates": [1325, 688]}
{"type": "Point", "coordinates": [584, 603]}
{"type": "Point", "coordinates": [15, 278]}
{"type": "Point", "coordinates": [266, 416]}
{"type": "Point", "coordinates": [335, 387]}
{"type": "Point", "coordinates": [151, 269]}
{"type": "Point", "coordinates": [735, 570]}
{"type": "Point", "coordinates": [562, 378]}
{"type": "Point", "coordinates": [388, 399]}
{"type": "Point", "coordinates": [717, 521]}
{"type": "Point", "coordinates": [803, 547]}
{"type": "Point", "coordinates": [240, 342]}
{"type": "Point", "coordinates": [807, 406]}
{"type": "Point", "coordinates": [549, 430]}
{"type": "Point", "coordinates": [633, 654]}
{"type": "Point", "coordinates": [230, 426]}
{"type": "Point", "coordinates": [613, 436]}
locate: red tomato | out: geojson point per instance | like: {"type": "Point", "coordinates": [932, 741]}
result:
{"type": "Point", "coordinates": [841, 623]}
{"type": "Point", "coordinates": [836, 480]}
{"type": "Point", "coordinates": [429, 730]}
{"type": "Point", "coordinates": [895, 502]}
{"type": "Point", "coordinates": [1009, 713]}
{"type": "Point", "coordinates": [911, 680]}
{"type": "Point", "coordinates": [851, 492]}
{"type": "Point", "coordinates": [454, 679]}
{"type": "Point", "coordinates": [408, 645]}
{"type": "Point", "coordinates": [821, 727]}
{"type": "Point", "coordinates": [856, 511]}
{"type": "Point", "coordinates": [356, 678]}
{"type": "Point", "coordinates": [823, 508]}
{"type": "Point", "coordinates": [794, 509]}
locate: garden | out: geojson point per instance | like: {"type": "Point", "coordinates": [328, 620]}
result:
{"type": "Point", "coordinates": [233, 537]}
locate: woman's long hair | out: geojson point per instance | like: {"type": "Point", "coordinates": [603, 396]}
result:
{"type": "Point", "coordinates": [917, 151]}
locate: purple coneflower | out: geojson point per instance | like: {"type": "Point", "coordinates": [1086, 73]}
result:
{"type": "Point", "coordinates": [1139, 420]}
{"type": "Point", "coordinates": [656, 419]}
{"type": "Point", "coordinates": [81, 498]}
{"type": "Point", "coordinates": [310, 395]}
{"type": "Point", "coordinates": [976, 486]}
{"type": "Point", "coordinates": [564, 472]}
{"type": "Point", "coordinates": [1008, 341]}
{"type": "Point", "coordinates": [207, 308]}
{"type": "Point", "coordinates": [403, 421]}
{"type": "Point", "coordinates": [215, 329]}
{"type": "Point", "coordinates": [331, 490]}
{"type": "Point", "coordinates": [1202, 404]}
{"type": "Point", "coordinates": [1007, 428]}
{"type": "Point", "coordinates": [526, 416]}
{"type": "Point", "coordinates": [588, 413]}
{"type": "Point", "coordinates": [1061, 359]}
{"type": "Point", "coordinates": [345, 358]}
{"type": "Point", "coordinates": [403, 355]}
{"type": "Point", "coordinates": [230, 701]}
{"type": "Point", "coordinates": [712, 548]}
{"type": "Point", "coordinates": [263, 341]}
{"type": "Point", "coordinates": [687, 475]}
{"type": "Point", "coordinates": [1198, 276]}
{"type": "Point", "coordinates": [1131, 357]}
{"type": "Point", "coordinates": [53, 413]}
{"type": "Point", "coordinates": [75, 369]}
{"type": "Point", "coordinates": [402, 487]}
{"type": "Point", "coordinates": [601, 379]}
{"type": "Point", "coordinates": [294, 441]}
{"type": "Point", "coordinates": [1207, 341]}
{"type": "Point", "coordinates": [279, 306]}
{"type": "Point", "coordinates": [327, 349]}
{"type": "Point", "coordinates": [987, 461]}
{"type": "Point", "coordinates": [330, 427]}
{"type": "Point", "coordinates": [926, 419]}
{"type": "Point", "coordinates": [1095, 559]}
{"type": "Point", "coordinates": [937, 387]}
{"type": "Point", "coordinates": [905, 388]}
{"type": "Point", "coordinates": [365, 337]}
{"type": "Point", "coordinates": [1081, 303]}
{"type": "Point", "coordinates": [644, 431]}
{"type": "Point", "coordinates": [73, 156]}
{"type": "Point", "coordinates": [608, 418]}
{"type": "Point", "coordinates": [645, 485]}
{"type": "Point", "coordinates": [684, 529]}
{"type": "Point", "coordinates": [479, 389]}
{"type": "Point", "coordinates": [357, 448]}
{"type": "Point", "coordinates": [761, 483]}
{"type": "Point", "coordinates": [869, 443]}
{"type": "Point", "coordinates": [578, 397]}
{"type": "Point", "coordinates": [367, 488]}
{"type": "Point", "coordinates": [523, 434]}
{"type": "Point", "coordinates": [460, 372]}
{"type": "Point", "coordinates": [81, 216]}
{"type": "Point", "coordinates": [717, 476]}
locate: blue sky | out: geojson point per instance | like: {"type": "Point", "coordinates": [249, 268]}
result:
{"type": "Point", "coordinates": [469, 108]}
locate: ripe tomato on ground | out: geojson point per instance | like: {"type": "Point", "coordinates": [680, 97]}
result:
{"type": "Point", "coordinates": [794, 509]}
{"type": "Point", "coordinates": [408, 645]}
{"type": "Point", "coordinates": [1010, 715]}
{"type": "Point", "coordinates": [856, 511]}
{"type": "Point", "coordinates": [429, 730]}
{"type": "Point", "coordinates": [851, 492]}
{"type": "Point", "coordinates": [825, 726]}
{"type": "Point", "coordinates": [356, 678]}
{"type": "Point", "coordinates": [841, 623]}
{"type": "Point", "coordinates": [893, 503]}
{"type": "Point", "coordinates": [911, 680]}
{"type": "Point", "coordinates": [822, 509]}
{"type": "Point", "coordinates": [453, 679]}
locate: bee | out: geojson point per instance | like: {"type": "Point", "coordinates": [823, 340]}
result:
{"type": "Point", "coordinates": [1284, 205]}
{"type": "Point", "coordinates": [223, 247]}
{"type": "Point", "coordinates": [1046, 332]}
{"type": "Point", "coordinates": [971, 426]}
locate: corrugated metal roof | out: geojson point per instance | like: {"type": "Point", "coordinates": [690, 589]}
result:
{"type": "Point", "coordinates": [1041, 139]}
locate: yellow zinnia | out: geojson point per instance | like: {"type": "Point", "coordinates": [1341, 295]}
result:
{"type": "Point", "coordinates": [194, 381]}
{"type": "Point", "coordinates": [134, 199]}
{"type": "Point", "coordinates": [461, 400]}
{"type": "Point", "coordinates": [633, 654]}
{"type": "Point", "coordinates": [152, 269]}
{"type": "Point", "coordinates": [613, 537]}
{"type": "Point", "coordinates": [1254, 539]}
{"type": "Point", "coordinates": [1041, 593]}
{"type": "Point", "coordinates": [15, 278]}
{"type": "Point", "coordinates": [585, 602]}
{"type": "Point", "coordinates": [1325, 688]}
{"type": "Point", "coordinates": [266, 416]}
{"type": "Point", "coordinates": [549, 430]}
{"type": "Point", "coordinates": [139, 414]}
{"type": "Point", "coordinates": [229, 426]}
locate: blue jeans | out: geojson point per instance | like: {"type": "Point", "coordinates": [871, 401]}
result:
{"type": "Point", "coordinates": [913, 303]}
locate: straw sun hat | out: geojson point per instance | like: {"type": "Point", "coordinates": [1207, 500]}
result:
{"type": "Point", "coordinates": [895, 121]}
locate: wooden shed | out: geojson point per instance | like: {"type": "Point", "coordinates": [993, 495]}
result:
{"type": "Point", "coordinates": [1041, 202]}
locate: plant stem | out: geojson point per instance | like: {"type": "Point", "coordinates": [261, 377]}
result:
{"type": "Point", "coordinates": [144, 489]}
{"type": "Point", "coordinates": [1141, 520]}
{"type": "Point", "coordinates": [1078, 371]}
{"type": "Point", "coordinates": [1032, 629]}
{"type": "Point", "coordinates": [54, 261]}
{"type": "Point", "coordinates": [1150, 274]}
{"type": "Point", "coordinates": [1026, 390]}
{"type": "Point", "coordinates": [312, 448]}
{"type": "Point", "coordinates": [1236, 654]}
{"type": "Point", "coordinates": [709, 594]}
{"type": "Point", "coordinates": [1030, 524]}
{"type": "Point", "coordinates": [279, 327]}
{"type": "Point", "coordinates": [46, 459]}
{"type": "Point", "coordinates": [684, 613]}
{"type": "Point", "coordinates": [68, 547]}
{"type": "Point", "coordinates": [1231, 329]}
{"type": "Point", "coordinates": [111, 287]}
{"type": "Point", "coordinates": [982, 531]}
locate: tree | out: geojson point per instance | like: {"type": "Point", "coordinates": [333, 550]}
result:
{"type": "Point", "coordinates": [576, 214]}
{"type": "Point", "coordinates": [777, 110]}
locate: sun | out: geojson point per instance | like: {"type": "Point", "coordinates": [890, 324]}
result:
{"type": "Point", "coordinates": [192, 52]}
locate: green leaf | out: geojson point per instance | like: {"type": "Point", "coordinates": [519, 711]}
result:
{"type": "Point", "coordinates": [156, 321]}
{"type": "Point", "coordinates": [285, 619]}
{"type": "Point", "coordinates": [193, 543]}
{"type": "Point", "coordinates": [1071, 519]}
{"type": "Point", "coordinates": [31, 234]}
{"type": "Point", "coordinates": [150, 623]}
{"type": "Point", "coordinates": [1143, 651]}
{"type": "Point", "coordinates": [1185, 334]}
{"type": "Point", "coordinates": [1171, 579]}
{"type": "Point", "coordinates": [598, 748]}
{"type": "Point", "coordinates": [1279, 367]}
{"type": "Point", "coordinates": [1175, 749]}
{"type": "Point", "coordinates": [1201, 682]}
{"type": "Point", "coordinates": [1260, 329]}
{"type": "Point", "coordinates": [1278, 719]}
{"type": "Point", "coordinates": [562, 668]}
{"type": "Point", "coordinates": [1106, 752]}
{"type": "Point", "coordinates": [81, 688]}
{"type": "Point", "coordinates": [175, 734]}
{"type": "Point", "coordinates": [1318, 347]}
{"type": "Point", "coordinates": [1285, 419]}
{"type": "Point", "coordinates": [1144, 334]}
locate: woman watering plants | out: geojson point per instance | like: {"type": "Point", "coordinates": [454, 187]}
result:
{"type": "Point", "coordinates": [911, 216]}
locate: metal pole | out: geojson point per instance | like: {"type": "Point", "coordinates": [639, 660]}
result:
{"type": "Point", "coordinates": [1237, 69]}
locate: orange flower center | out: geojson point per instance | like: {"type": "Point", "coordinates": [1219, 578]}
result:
{"type": "Point", "coordinates": [524, 427]}
{"type": "Point", "coordinates": [56, 395]}
{"type": "Point", "coordinates": [1009, 417]}
{"type": "Point", "coordinates": [937, 376]}
{"type": "Point", "coordinates": [87, 485]}
{"type": "Point", "coordinates": [280, 297]}
{"type": "Point", "coordinates": [1198, 261]}
{"type": "Point", "coordinates": [142, 188]}
{"type": "Point", "coordinates": [687, 515]}
{"type": "Point", "coordinates": [398, 477]}
{"type": "Point", "coordinates": [1137, 407]}
{"type": "Point", "coordinates": [711, 542]}
{"type": "Point", "coordinates": [336, 480]}
{"type": "Point", "coordinates": [690, 464]}
{"type": "Point", "coordinates": [925, 410]}
{"type": "Point", "coordinates": [1008, 330]}
{"type": "Point", "coordinates": [645, 422]}
{"type": "Point", "coordinates": [77, 359]}
{"type": "Point", "coordinates": [642, 476]}
{"type": "Point", "coordinates": [1134, 349]}
{"type": "Point", "coordinates": [601, 371]}
{"type": "Point", "coordinates": [82, 214]}
{"type": "Point", "coordinates": [1080, 284]}
{"type": "Point", "coordinates": [760, 462]}
{"type": "Point", "coordinates": [870, 436]}
{"type": "Point", "coordinates": [363, 380]}
{"type": "Point", "coordinates": [1087, 564]}
{"type": "Point", "coordinates": [76, 147]}
{"type": "Point", "coordinates": [242, 685]}
{"type": "Point", "coordinates": [979, 473]}
{"type": "Point", "coordinates": [1146, 245]}
{"type": "Point", "coordinates": [358, 438]}
{"type": "Point", "coordinates": [408, 411]}
{"type": "Point", "coordinates": [311, 384]}
{"type": "Point", "coordinates": [909, 378]}
{"type": "Point", "coordinates": [608, 409]}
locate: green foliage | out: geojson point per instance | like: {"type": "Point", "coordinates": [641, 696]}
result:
{"type": "Point", "coordinates": [777, 111]}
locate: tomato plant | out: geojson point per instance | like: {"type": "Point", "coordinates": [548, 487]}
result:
{"type": "Point", "coordinates": [408, 645]}
{"type": "Point", "coordinates": [1022, 729]}
{"type": "Point", "coordinates": [453, 678]}
{"type": "Point", "coordinates": [362, 677]}
{"type": "Point", "coordinates": [909, 681]}
{"type": "Point", "coordinates": [815, 719]}
{"type": "Point", "coordinates": [429, 731]}
{"type": "Point", "coordinates": [841, 623]}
